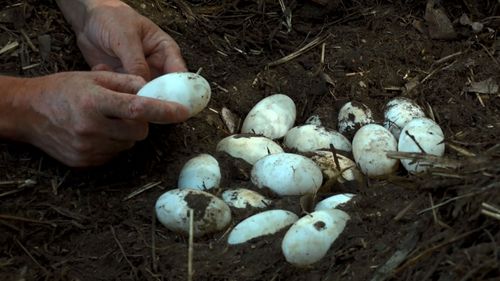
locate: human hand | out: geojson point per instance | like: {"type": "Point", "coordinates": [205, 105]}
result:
{"type": "Point", "coordinates": [86, 118]}
{"type": "Point", "coordinates": [113, 36]}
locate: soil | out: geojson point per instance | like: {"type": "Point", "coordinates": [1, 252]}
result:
{"type": "Point", "coordinates": [58, 223]}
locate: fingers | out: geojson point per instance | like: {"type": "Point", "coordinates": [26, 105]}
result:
{"type": "Point", "coordinates": [172, 55]}
{"type": "Point", "coordinates": [132, 107]}
{"type": "Point", "coordinates": [129, 50]}
{"type": "Point", "coordinates": [102, 67]}
{"type": "Point", "coordinates": [118, 82]}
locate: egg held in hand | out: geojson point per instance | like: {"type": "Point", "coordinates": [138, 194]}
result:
{"type": "Point", "coordinates": [187, 88]}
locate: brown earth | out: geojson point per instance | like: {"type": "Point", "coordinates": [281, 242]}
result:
{"type": "Point", "coordinates": [58, 223]}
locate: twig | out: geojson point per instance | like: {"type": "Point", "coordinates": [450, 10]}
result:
{"type": "Point", "coordinates": [434, 214]}
{"type": "Point", "coordinates": [141, 190]}
{"type": "Point", "coordinates": [310, 45]}
{"type": "Point", "coordinates": [448, 57]}
{"type": "Point", "coordinates": [489, 54]}
{"type": "Point", "coordinates": [433, 248]}
{"type": "Point", "coordinates": [9, 47]}
{"type": "Point", "coordinates": [28, 40]}
{"type": "Point", "coordinates": [134, 270]}
{"type": "Point", "coordinates": [31, 256]}
{"type": "Point", "coordinates": [322, 59]}
{"type": "Point", "coordinates": [490, 210]}
{"type": "Point", "coordinates": [9, 217]}
{"type": "Point", "coordinates": [153, 242]}
{"type": "Point", "coordinates": [448, 201]}
{"type": "Point", "coordinates": [190, 246]}
{"type": "Point", "coordinates": [403, 212]}
{"type": "Point", "coordinates": [430, 159]}
{"type": "Point", "coordinates": [19, 183]}
{"type": "Point", "coordinates": [461, 150]}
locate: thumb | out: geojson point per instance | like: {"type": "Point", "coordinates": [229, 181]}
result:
{"type": "Point", "coordinates": [132, 57]}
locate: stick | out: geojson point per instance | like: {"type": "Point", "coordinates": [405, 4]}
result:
{"type": "Point", "coordinates": [9, 217]}
{"type": "Point", "coordinates": [141, 190]}
{"type": "Point", "coordinates": [190, 247]}
{"type": "Point", "coordinates": [31, 256]}
{"type": "Point", "coordinates": [310, 45]}
{"type": "Point", "coordinates": [122, 250]}
{"type": "Point", "coordinates": [153, 242]}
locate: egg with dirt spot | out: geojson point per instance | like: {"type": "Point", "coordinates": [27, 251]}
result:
{"type": "Point", "coordinates": [421, 135]}
{"type": "Point", "coordinates": [271, 117]}
{"type": "Point", "coordinates": [287, 174]}
{"type": "Point", "coordinates": [210, 214]}
{"type": "Point", "coordinates": [369, 148]}
{"type": "Point", "coordinates": [308, 240]}
{"type": "Point", "coordinates": [398, 112]}
{"type": "Point", "coordinates": [187, 88]}
{"type": "Point", "coordinates": [352, 116]}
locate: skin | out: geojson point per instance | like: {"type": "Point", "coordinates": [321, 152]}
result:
{"type": "Point", "coordinates": [86, 118]}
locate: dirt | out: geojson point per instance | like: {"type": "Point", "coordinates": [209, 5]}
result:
{"type": "Point", "coordinates": [58, 223]}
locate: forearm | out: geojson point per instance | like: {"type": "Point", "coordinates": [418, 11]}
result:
{"type": "Point", "coordinates": [13, 107]}
{"type": "Point", "coordinates": [75, 11]}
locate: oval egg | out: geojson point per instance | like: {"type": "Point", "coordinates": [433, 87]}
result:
{"type": "Point", "coordinates": [271, 117]}
{"type": "Point", "coordinates": [264, 223]}
{"type": "Point", "coordinates": [247, 147]}
{"type": "Point", "coordinates": [352, 116]}
{"type": "Point", "coordinates": [310, 137]}
{"type": "Point", "coordinates": [421, 134]}
{"type": "Point", "coordinates": [186, 88]}
{"type": "Point", "coordinates": [201, 172]}
{"type": "Point", "coordinates": [287, 174]}
{"type": "Point", "coordinates": [369, 147]}
{"type": "Point", "coordinates": [210, 214]}
{"type": "Point", "coordinates": [242, 198]}
{"type": "Point", "coordinates": [398, 112]}
{"type": "Point", "coordinates": [309, 239]}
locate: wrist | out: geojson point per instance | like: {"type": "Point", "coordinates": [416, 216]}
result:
{"type": "Point", "coordinates": [15, 108]}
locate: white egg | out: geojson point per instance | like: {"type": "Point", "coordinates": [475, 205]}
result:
{"type": "Point", "coordinates": [352, 116]}
{"type": "Point", "coordinates": [398, 112]}
{"type": "Point", "coordinates": [309, 239]}
{"type": "Point", "coordinates": [211, 214]}
{"type": "Point", "coordinates": [333, 201]}
{"type": "Point", "coordinates": [369, 148]}
{"type": "Point", "coordinates": [272, 117]}
{"type": "Point", "coordinates": [310, 137]}
{"type": "Point", "coordinates": [201, 172]}
{"type": "Point", "coordinates": [186, 88]}
{"type": "Point", "coordinates": [287, 174]}
{"type": "Point", "coordinates": [265, 223]}
{"type": "Point", "coordinates": [421, 135]}
{"type": "Point", "coordinates": [243, 198]}
{"type": "Point", "coordinates": [247, 147]}
{"type": "Point", "coordinates": [326, 162]}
